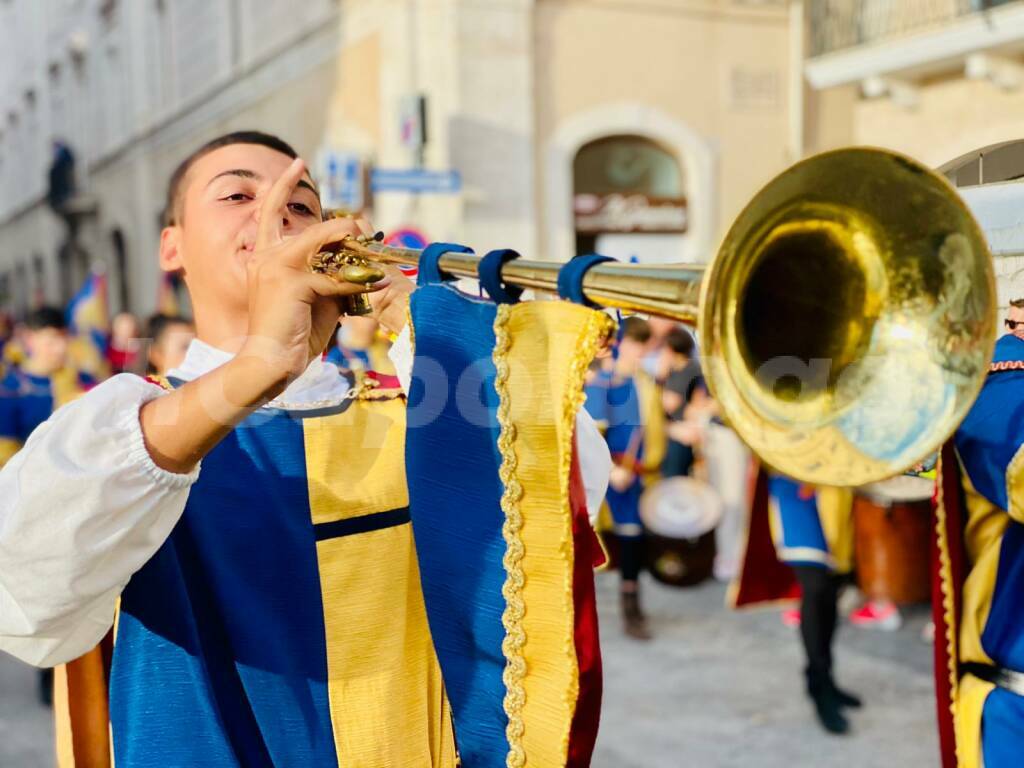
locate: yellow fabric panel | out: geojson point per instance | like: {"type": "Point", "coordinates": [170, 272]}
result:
{"type": "Point", "coordinates": [8, 447]}
{"type": "Point", "coordinates": [552, 343]}
{"type": "Point", "coordinates": [985, 523]}
{"type": "Point", "coordinates": [835, 510]}
{"type": "Point", "coordinates": [653, 414]}
{"type": "Point", "coordinates": [353, 458]}
{"type": "Point", "coordinates": [1015, 485]}
{"type": "Point", "coordinates": [387, 699]}
{"type": "Point", "coordinates": [983, 533]}
{"type": "Point", "coordinates": [967, 712]}
{"type": "Point", "coordinates": [65, 387]}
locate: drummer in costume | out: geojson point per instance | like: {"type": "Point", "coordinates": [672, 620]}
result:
{"type": "Point", "coordinates": [623, 400]}
{"type": "Point", "coordinates": [247, 521]}
{"type": "Point", "coordinates": [979, 638]}
{"type": "Point", "coordinates": [800, 543]}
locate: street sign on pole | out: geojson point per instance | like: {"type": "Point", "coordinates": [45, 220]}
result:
{"type": "Point", "coordinates": [341, 179]}
{"type": "Point", "coordinates": [417, 181]}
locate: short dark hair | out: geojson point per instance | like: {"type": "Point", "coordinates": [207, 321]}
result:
{"type": "Point", "coordinates": [636, 329]}
{"type": "Point", "coordinates": [680, 341]}
{"type": "Point", "coordinates": [46, 317]}
{"type": "Point", "coordinates": [174, 186]}
{"type": "Point", "coordinates": [1017, 303]}
{"type": "Point", "coordinates": [157, 325]}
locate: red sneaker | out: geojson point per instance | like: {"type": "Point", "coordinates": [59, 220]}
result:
{"type": "Point", "coordinates": [877, 614]}
{"type": "Point", "coordinates": [791, 617]}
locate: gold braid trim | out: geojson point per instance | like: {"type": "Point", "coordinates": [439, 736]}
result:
{"type": "Point", "coordinates": [512, 590]}
{"type": "Point", "coordinates": [948, 601]}
{"type": "Point", "coordinates": [597, 328]}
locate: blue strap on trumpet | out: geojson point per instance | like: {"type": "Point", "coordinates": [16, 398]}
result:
{"type": "Point", "coordinates": [570, 278]}
{"type": "Point", "coordinates": [489, 272]}
{"type": "Point", "coordinates": [429, 266]}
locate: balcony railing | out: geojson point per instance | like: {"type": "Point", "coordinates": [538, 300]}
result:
{"type": "Point", "coordinates": [839, 24]}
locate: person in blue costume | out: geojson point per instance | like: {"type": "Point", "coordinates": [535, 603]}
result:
{"type": "Point", "coordinates": [812, 529]}
{"type": "Point", "coordinates": [31, 391]}
{"type": "Point", "coordinates": [623, 400]}
{"type": "Point", "coordinates": [243, 527]}
{"type": "Point", "coordinates": [247, 525]}
{"type": "Point", "coordinates": [979, 639]}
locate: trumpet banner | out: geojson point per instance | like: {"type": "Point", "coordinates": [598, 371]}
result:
{"type": "Point", "coordinates": [499, 517]}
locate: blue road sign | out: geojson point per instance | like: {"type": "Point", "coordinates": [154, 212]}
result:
{"type": "Point", "coordinates": [415, 180]}
{"type": "Point", "coordinates": [341, 180]}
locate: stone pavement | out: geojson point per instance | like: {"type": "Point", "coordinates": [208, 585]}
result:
{"type": "Point", "coordinates": [714, 689]}
{"type": "Point", "coordinates": [721, 689]}
{"type": "Point", "coordinates": [26, 737]}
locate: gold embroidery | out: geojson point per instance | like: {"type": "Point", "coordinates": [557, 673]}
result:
{"type": "Point", "coordinates": [512, 590]}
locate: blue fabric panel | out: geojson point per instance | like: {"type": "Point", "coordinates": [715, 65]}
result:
{"type": "Point", "coordinates": [801, 525]}
{"type": "Point", "coordinates": [570, 277]}
{"type": "Point", "coordinates": [615, 404]}
{"type": "Point", "coordinates": [452, 462]}
{"type": "Point", "coordinates": [1009, 349]}
{"type": "Point", "coordinates": [991, 434]}
{"type": "Point", "coordinates": [220, 656]}
{"type": "Point", "coordinates": [26, 401]}
{"type": "Point", "coordinates": [1003, 635]}
{"type": "Point", "coordinates": [625, 506]}
{"type": "Point", "coordinates": [1002, 729]}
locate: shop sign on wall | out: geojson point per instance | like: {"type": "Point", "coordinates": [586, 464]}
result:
{"type": "Point", "coordinates": [630, 213]}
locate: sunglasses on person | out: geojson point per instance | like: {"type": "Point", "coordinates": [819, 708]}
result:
{"type": "Point", "coordinates": [1012, 324]}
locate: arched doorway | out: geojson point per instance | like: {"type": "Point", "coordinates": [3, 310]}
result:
{"type": "Point", "coordinates": [629, 200]}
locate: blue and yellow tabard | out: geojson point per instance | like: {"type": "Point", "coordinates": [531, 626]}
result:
{"type": "Point", "coordinates": [811, 525]}
{"type": "Point", "coordinates": [282, 623]}
{"type": "Point", "coordinates": [988, 635]}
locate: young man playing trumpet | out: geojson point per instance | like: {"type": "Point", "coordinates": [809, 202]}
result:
{"type": "Point", "coordinates": [269, 609]}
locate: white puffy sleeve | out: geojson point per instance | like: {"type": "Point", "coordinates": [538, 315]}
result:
{"type": "Point", "coordinates": [82, 508]}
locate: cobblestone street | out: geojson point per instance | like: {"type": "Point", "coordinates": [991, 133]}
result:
{"type": "Point", "coordinates": [719, 689]}
{"type": "Point", "coordinates": [714, 689]}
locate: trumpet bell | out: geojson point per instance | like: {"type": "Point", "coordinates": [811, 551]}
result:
{"type": "Point", "coordinates": [848, 320]}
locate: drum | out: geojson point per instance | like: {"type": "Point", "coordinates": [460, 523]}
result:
{"type": "Point", "coordinates": [680, 515]}
{"type": "Point", "coordinates": [892, 521]}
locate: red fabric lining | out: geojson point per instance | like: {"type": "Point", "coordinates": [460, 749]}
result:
{"type": "Point", "coordinates": [762, 578]}
{"type": "Point", "coordinates": [954, 528]}
{"type": "Point", "coordinates": [588, 553]}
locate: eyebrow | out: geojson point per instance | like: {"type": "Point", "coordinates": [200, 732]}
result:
{"type": "Point", "coordinates": [245, 173]}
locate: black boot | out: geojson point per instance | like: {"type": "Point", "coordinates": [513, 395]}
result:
{"type": "Point", "coordinates": [633, 619]}
{"type": "Point", "coordinates": [845, 698]}
{"type": "Point", "coordinates": [827, 706]}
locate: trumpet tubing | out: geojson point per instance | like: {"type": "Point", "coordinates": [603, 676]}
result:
{"type": "Point", "coordinates": [845, 323]}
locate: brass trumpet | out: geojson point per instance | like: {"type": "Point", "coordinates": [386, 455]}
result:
{"type": "Point", "coordinates": [846, 323]}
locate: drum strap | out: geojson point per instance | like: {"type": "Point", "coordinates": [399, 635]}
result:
{"type": "Point", "coordinates": [1007, 679]}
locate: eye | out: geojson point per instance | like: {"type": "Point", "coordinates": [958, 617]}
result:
{"type": "Point", "coordinates": [301, 208]}
{"type": "Point", "coordinates": [237, 197]}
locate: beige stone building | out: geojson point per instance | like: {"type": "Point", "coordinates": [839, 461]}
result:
{"type": "Point", "coordinates": [941, 80]}
{"type": "Point", "coordinates": [636, 127]}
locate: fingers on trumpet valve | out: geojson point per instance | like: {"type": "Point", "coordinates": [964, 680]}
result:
{"type": "Point", "coordinates": [345, 260]}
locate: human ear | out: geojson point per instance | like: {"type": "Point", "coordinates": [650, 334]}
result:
{"type": "Point", "coordinates": [170, 249]}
